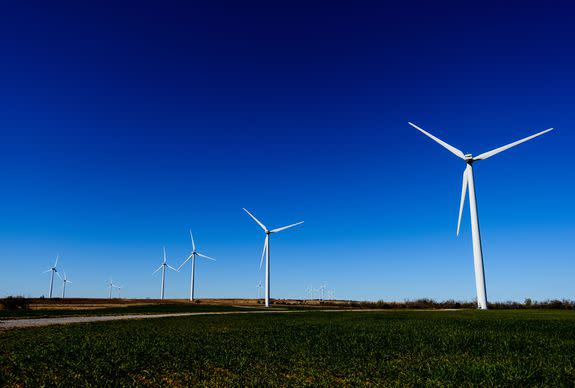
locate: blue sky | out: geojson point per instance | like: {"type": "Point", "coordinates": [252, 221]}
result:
{"type": "Point", "coordinates": [125, 124]}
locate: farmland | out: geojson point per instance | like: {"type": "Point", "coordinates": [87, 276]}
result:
{"type": "Point", "coordinates": [300, 348]}
{"type": "Point", "coordinates": [69, 307]}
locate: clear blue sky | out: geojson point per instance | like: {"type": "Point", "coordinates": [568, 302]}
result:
{"type": "Point", "coordinates": [124, 125]}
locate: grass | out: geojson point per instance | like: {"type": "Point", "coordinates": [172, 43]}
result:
{"type": "Point", "coordinates": [405, 348]}
{"type": "Point", "coordinates": [151, 308]}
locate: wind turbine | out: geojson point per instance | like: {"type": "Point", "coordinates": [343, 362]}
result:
{"type": "Point", "coordinates": [322, 289]}
{"type": "Point", "coordinates": [112, 285]}
{"type": "Point", "coordinates": [267, 249]}
{"type": "Point", "coordinates": [310, 290]}
{"type": "Point", "coordinates": [192, 256]}
{"type": "Point", "coordinates": [259, 290]}
{"type": "Point", "coordinates": [468, 181]}
{"type": "Point", "coordinates": [54, 271]}
{"type": "Point", "coordinates": [64, 281]}
{"type": "Point", "coordinates": [163, 267]}
{"type": "Point", "coordinates": [331, 294]}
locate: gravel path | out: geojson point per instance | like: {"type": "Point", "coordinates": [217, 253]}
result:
{"type": "Point", "coordinates": [38, 322]}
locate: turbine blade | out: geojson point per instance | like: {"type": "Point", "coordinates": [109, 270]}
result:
{"type": "Point", "coordinates": [205, 257]}
{"type": "Point", "coordinates": [286, 227]}
{"type": "Point", "coordinates": [256, 220]}
{"type": "Point", "coordinates": [462, 202]}
{"type": "Point", "coordinates": [49, 270]}
{"type": "Point", "coordinates": [56, 263]}
{"type": "Point", "coordinates": [159, 268]}
{"type": "Point", "coordinates": [57, 274]}
{"type": "Point", "coordinates": [489, 154]}
{"type": "Point", "coordinates": [184, 263]}
{"type": "Point", "coordinates": [264, 252]}
{"type": "Point", "coordinates": [451, 148]}
{"type": "Point", "coordinates": [193, 243]}
{"type": "Point", "coordinates": [164, 254]}
{"type": "Point", "coordinates": [172, 268]}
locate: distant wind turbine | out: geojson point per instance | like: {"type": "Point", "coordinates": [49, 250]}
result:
{"type": "Point", "coordinates": [468, 181]}
{"type": "Point", "coordinates": [192, 257]}
{"type": "Point", "coordinates": [267, 249]}
{"type": "Point", "coordinates": [112, 285]}
{"type": "Point", "coordinates": [322, 289]}
{"type": "Point", "coordinates": [54, 270]}
{"type": "Point", "coordinates": [310, 291]}
{"type": "Point", "coordinates": [64, 281]}
{"type": "Point", "coordinates": [163, 267]}
{"type": "Point", "coordinates": [331, 294]}
{"type": "Point", "coordinates": [259, 290]}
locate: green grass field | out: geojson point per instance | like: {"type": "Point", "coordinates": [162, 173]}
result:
{"type": "Point", "coordinates": [459, 348]}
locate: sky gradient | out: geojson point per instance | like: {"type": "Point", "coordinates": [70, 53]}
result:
{"type": "Point", "coordinates": [124, 125]}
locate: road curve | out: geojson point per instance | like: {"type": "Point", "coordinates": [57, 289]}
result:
{"type": "Point", "coordinates": [39, 322]}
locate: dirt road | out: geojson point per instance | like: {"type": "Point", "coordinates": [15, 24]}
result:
{"type": "Point", "coordinates": [38, 322]}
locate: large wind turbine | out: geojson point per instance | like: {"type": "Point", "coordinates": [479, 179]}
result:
{"type": "Point", "coordinates": [469, 182]}
{"type": "Point", "coordinates": [64, 281]}
{"type": "Point", "coordinates": [193, 258]}
{"type": "Point", "coordinates": [54, 271]}
{"type": "Point", "coordinates": [163, 267]}
{"type": "Point", "coordinates": [267, 249]}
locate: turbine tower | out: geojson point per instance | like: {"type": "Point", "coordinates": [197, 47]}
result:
{"type": "Point", "coordinates": [468, 182]}
{"type": "Point", "coordinates": [54, 271]}
{"type": "Point", "coordinates": [163, 267]}
{"type": "Point", "coordinates": [267, 250]}
{"type": "Point", "coordinates": [64, 281]}
{"type": "Point", "coordinates": [192, 257]}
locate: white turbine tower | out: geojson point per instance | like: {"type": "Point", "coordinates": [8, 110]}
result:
{"type": "Point", "coordinates": [54, 271]}
{"type": "Point", "coordinates": [267, 249]}
{"type": "Point", "coordinates": [163, 267]}
{"type": "Point", "coordinates": [64, 281]}
{"type": "Point", "coordinates": [192, 257]}
{"type": "Point", "coordinates": [468, 181]}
